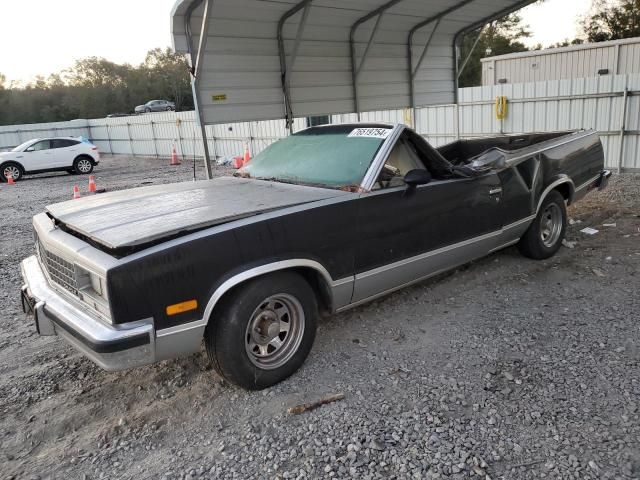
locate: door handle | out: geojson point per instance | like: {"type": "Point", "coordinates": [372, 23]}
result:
{"type": "Point", "coordinates": [495, 191]}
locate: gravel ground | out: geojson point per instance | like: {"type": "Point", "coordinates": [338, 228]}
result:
{"type": "Point", "coordinates": [505, 369]}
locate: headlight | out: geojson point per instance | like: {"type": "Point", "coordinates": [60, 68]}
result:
{"type": "Point", "coordinates": [92, 289]}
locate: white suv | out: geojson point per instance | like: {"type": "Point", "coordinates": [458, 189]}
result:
{"type": "Point", "coordinates": [48, 155]}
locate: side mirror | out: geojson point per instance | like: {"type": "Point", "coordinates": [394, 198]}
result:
{"type": "Point", "coordinates": [413, 178]}
{"type": "Point", "coordinates": [416, 177]}
{"type": "Point", "coordinates": [30, 149]}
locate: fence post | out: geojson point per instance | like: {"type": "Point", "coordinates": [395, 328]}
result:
{"type": "Point", "coordinates": [153, 138]}
{"type": "Point", "coordinates": [130, 139]}
{"type": "Point", "coordinates": [178, 124]}
{"type": "Point", "coordinates": [623, 125]}
{"type": "Point", "coordinates": [109, 137]}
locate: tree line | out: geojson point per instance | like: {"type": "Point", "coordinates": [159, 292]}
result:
{"type": "Point", "coordinates": [607, 20]}
{"type": "Point", "coordinates": [95, 87]}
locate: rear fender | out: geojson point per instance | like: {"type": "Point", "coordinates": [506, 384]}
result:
{"type": "Point", "coordinates": [563, 184]}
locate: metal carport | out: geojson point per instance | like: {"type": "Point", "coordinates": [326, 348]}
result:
{"type": "Point", "coordinates": [269, 59]}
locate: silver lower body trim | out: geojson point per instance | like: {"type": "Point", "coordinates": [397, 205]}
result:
{"type": "Point", "coordinates": [389, 278]}
{"type": "Point", "coordinates": [180, 340]}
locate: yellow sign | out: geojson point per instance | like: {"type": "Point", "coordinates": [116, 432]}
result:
{"type": "Point", "coordinates": [502, 107]}
{"type": "Point", "coordinates": [219, 98]}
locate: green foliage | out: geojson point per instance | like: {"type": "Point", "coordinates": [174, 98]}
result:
{"type": "Point", "coordinates": [497, 38]}
{"type": "Point", "coordinates": [95, 87]}
{"type": "Point", "coordinates": [612, 20]}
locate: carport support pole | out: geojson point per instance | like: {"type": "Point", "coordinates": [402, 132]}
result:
{"type": "Point", "coordinates": [196, 66]}
{"type": "Point", "coordinates": [284, 70]}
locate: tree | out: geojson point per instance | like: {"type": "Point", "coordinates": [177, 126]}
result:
{"type": "Point", "coordinates": [612, 21]}
{"type": "Point", "coordinates": [171, 73]}
{"type": "Point", "coordinates": [95, 87]}
{"type": "Point", "coordinates": [497, 38]}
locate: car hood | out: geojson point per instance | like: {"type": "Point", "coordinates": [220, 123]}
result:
{"type": "Point", "coordinates": [138, 217]}
{"type": "Point", "coordinates": [5, 155]}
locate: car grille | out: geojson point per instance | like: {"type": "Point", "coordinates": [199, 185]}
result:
{"type": "Point", "coordinates": [60, 271]}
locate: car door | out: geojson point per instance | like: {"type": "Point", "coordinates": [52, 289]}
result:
{"type": "Point", "coordinates": [64, 151]}
{"type": "Point", "coordinates": [408, 235]}
{"type": "Point", "coordinates": [38, 156]}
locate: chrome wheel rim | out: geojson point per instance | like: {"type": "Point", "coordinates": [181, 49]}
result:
{"type": "Point", "coordinates": [84, 166]}
{"type": "Point", "coordinates": [275, 331]}
{"type": "Point", "coordinates": [550, 225]}
{"type": "Point", "coordinates": [11, 171]}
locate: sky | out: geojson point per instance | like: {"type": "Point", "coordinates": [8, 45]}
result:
{"type": "Point", "coordinates": [40, 37]}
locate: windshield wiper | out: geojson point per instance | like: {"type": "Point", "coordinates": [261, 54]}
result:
{"type": "Point", "coordinates": [296, 182]}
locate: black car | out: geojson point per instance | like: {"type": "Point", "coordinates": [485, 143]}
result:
{"type": "Point", "coordinates": [324, 220]}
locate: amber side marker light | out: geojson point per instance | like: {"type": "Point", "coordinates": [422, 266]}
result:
{"type": "Point", "coordinates": [182, 307]}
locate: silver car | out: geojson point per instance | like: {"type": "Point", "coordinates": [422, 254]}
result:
{"type": "Point", "coordinates": [156, 106]}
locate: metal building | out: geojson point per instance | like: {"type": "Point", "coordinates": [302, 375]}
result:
{"type": "Point", "coordinates": [268, 59]}
{"type": "Point", "coordinates": [617, 57]}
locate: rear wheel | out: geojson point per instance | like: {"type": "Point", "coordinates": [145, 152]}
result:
{"type": "Point", "coordinates": [83, 165]}
{"type": "Point", "coordinates": [544, 237]}
{"type": "Point", "coordinates": [263, 331]}
{"type": "Point", "coordinates": [11, 169]}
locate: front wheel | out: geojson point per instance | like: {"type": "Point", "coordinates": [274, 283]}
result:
{"type": "Point", "coordinates": [544, 237]}
{"type": "Point", "coordinates": [82, 165]}
{"type": "Point", "coordinates": [11, 169]}
{"type": "Point", "coordinates": [263, 331]}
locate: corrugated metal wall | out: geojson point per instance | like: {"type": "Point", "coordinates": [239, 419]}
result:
{"type": "Point", "coordinates": [619, 57]}
{"type": "Point", "coordinates": [587, 103]}
{"type": "Point", "coordinates": [591, 103]}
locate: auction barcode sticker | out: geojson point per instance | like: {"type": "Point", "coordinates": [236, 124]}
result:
{"type": "Point", "coordinates": [370, 132]}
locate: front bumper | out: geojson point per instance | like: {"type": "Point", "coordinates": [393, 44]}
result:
{"type": "Point", "coordinates": [111, 347]}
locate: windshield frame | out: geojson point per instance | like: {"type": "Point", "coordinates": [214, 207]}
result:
{"type": "Point", "coordinates": [24, 145]}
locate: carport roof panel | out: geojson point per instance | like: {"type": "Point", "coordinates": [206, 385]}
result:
{"type": "Point", "coordinates": [336, 56]}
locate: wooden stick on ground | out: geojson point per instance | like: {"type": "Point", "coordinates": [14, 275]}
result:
{"type": "Point", "coordinates": [305, 407]}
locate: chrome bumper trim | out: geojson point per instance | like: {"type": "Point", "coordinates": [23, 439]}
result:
{"type": "Point", "coordinates": [111, 347]}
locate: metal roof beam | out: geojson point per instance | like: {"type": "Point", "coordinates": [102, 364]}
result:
{"type": "Point", "coordinates": [355, 71]}
{"type": "Point", "coordinates": [481, 23]}
{"type": "Point", "coordinates": [435, 18]}
{"type": "Point", "coordinates": [284, 73]}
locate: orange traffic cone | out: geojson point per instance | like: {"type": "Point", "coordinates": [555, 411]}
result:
{"type": "Point", "coordinates": [92, 184]}
{"type": "Point", "coordinates": [174, 156]}
{"type": "Point", "coordinates": [10, 180]}
{"type": "Point", "coordinates": [76, 192]}
{"type": "Point", "coordinates": [247, 155]}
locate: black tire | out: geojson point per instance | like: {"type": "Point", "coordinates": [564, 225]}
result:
{"type": "Point", "coordinates": [544, 237]}
{"type": "Point", "coordinates": [229, 338]}
{"type": "Point", "coordinates": [147, 110]}
{"type": "Point", "coordinates": [169, 109]}
{"type": "Point", "coordinates": [13, 167]}
{"type": "Point", "coordinates": [83, 165]}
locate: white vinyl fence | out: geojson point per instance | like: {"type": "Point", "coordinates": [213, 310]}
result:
{"type": "Point", "coordinates": [609, 104]}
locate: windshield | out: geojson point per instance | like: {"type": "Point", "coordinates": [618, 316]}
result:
{"type": "Point", "coordinates": [333, 157]}
{"type": "Point", "coordinates": [22, 146]}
